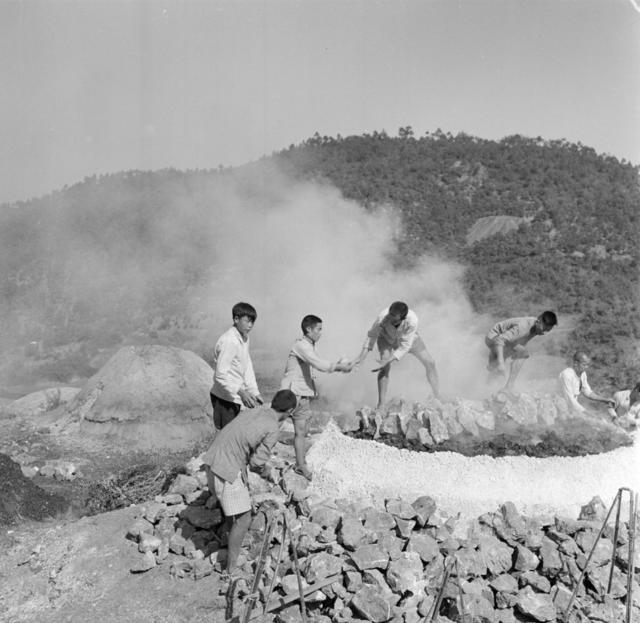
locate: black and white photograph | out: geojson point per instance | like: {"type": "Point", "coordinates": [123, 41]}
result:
{"type": "Point", "coordinates": [319, 311]}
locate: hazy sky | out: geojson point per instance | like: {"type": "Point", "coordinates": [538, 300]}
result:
{"type": "Point", "coordinates": [97, 87]}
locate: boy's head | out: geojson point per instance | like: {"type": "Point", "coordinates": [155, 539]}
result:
{"type": "Point", "coordinates": [244, 315]}
{"type": "Point", "coordinates": [312, 327]}
{"type": "Point", "coordinates": [284, 402]}
{"type": "Point", "coordinates": [545, 322]}
{"type": "Point", "coordinates": [398, 312]}
{"type": "Point", "coordinates": [581, 361]}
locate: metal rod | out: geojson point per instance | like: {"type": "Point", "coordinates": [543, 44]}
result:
{"type": "Point", "coordinates": [586, 564]}
{"type": "Point", "coordinates": [275, 571]}
{"type": "Point", "coordinates": [633, 507]}
{"type": "Point", "coordinates": [615, 539]}
{"type": "Point", "coordinates": [434, 614]}
{"type": "Point", "coordinates": [303, 607]}
{"type": "Point", "coordinates": [463, 616]}
{"type": "Point", "coordinates": [253, 596]}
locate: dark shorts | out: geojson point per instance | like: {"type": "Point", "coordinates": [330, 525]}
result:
{"type": "Point", "coordinates": [510, 351]}
{"type": "Point", "coordinates": [223, 411]}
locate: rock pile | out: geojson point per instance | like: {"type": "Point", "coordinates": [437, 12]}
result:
{"type": "Point", "coordinates": [536, 425]}
{"type": "Point", "coordinates": [389, 562]}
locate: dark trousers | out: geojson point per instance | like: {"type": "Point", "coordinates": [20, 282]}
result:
{"type": "Point", "coordinates": [223, 411]}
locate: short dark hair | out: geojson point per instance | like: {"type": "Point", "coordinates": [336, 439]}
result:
{"type": "Point", "coordinates": [398, 308]}
{"type": "Point", "coordinates": [549, 318]}
{"type": "Point", "coordinates": [308, 322]}
{"type": "Point", "coordinates": [580, 355]}
{"type": "Point", "coordinates": [244, 309]}
{"type": "Point", "coordinates": [284, 400]}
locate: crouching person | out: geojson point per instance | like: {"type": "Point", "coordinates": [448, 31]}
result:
{"type": "Point", "coordinates": [246, 442]}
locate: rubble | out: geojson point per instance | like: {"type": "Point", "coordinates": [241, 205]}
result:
{"type": "Point", "coordinates": [388, 562]}
{"type": "Point", "coordinates": [530, 424]}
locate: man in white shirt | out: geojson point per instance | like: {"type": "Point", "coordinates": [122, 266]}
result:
{"type": "Point", "coordinates": [234, 382]}
{"type": "Point", "coordinates": [573, 383]}
{"type": "Point", "coordinates": [299, 378]}
{"type": "Point", "coordinates": [395, 331]}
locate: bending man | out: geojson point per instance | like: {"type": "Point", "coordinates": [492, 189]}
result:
{"type": "Point", "coordinates": [508, 339]}
{"type": "Point", "coordinates": [246, 441]}
{"type": "Point", "coordinates": [395, 331]}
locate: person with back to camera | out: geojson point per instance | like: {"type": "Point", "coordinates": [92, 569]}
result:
{"type": "Point", "coordinates": [573, 383]}
{"type": "Point", "coordinates": [508, 339]}
{"type": "Point", "coordinates": [245, 442]}
{"type": "Point", "coordinates": [625, 410]}
{"type": "Point", "coordinates": [303, 359]}
{"type": "Point", "coordinates": [395, 331]}
{"type": "Point", "coordinates": [234, 381]}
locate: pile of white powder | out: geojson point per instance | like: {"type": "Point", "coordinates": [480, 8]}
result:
{"type": "Point", "coordinates": [359, 469]}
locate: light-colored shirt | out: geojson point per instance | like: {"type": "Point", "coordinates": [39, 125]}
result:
{"type": "Point", "coordinates": [247, 440]}
{"type": "Point", "coordinates": [298, 373]}
{"type": "Point", "coordinates": [233, 369]}
{"type": "Point", "coordinates": [512, 331]}
{"type": "Point", "coordinates": [400, 338]}
{"type": "Point", "coordinates": [572, 385]}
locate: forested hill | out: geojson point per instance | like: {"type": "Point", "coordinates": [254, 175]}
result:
{"type": "Point", "coordinates": [63, 258]}
{"type": "Point", "coordinates": [578, 254]}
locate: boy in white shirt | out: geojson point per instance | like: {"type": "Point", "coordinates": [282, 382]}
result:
{"type": "Point", "coordinates": [299, 378]}
{"type": "Point", "coordinates": [234, 382]}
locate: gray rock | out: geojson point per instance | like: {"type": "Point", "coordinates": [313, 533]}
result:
{"type": "Point", "coordinates": [471, 563]}
{"type": "Point", "coordinates": [525, 559]}
{"type": "Point", "coordinates": [437, 427]}
{"type": "Point", "coordinates": [504, 583]}
{"type": "Point", "coordinates": [370, 605]}
{"type": "Point", "coordinates": [551, 561]}
{"type": "Point", "coordinates": [184, 484]}
{"type": "Point", "coordinates": [536, 581]}
{"type": "Point", "coordinates": [201, 517]}
{"type": "Point", "coordinates": [370, 557]}
{"type": "Point", "coordinates": [144, 563]}
{"type": "Point", "coordinates": [603, 547]}
{"type": "Point", "coordinates": [392, 545]}
{"type": "Point", "coordinates": [406, 573]}
{"type": "Point", "coordinates": [424, 507]}
{"type": "Point", "coordinates": [326, 517]}
{"type": "Point", "coordinates": [497, 555]}
{"type": "Point", "coordinates": [622, 557]}
{"type": "Point", "coordinates": [352, 581]}
{"type": "Point", "coordinates": [154, 511]}
{"type": "Point", "coordinates": [595, 510]}
{"type": "Point", "coordinates": [378, 521]}
{"type": "Point", "coordinates": [425, 438]}
{"type": "Point", "coordinates": [425, 545]}
{"type": "Point", "coordinates": [598, 578]}
{"type": "Point", "coordinates": [138, 527]}
{"type": "Point", "coordinates": [148, 543]}
{"type": "Point", "coordinates": [412, 427]}
{"type": "Point", "coordinates": [321, 565]}
{"type": "Point", "coordinates": [351, 533]}
{"type": "Point", "coordinates": [538, 606]}
{"type": "Point", "coordinates": [400, 508]}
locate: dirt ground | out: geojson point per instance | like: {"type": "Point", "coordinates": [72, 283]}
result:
{"type": "Point", "coordinates": [78, 571]}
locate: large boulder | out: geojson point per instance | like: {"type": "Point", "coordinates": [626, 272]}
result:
{"type": "Point", "coordinates": [147, 397]}
{"type": "Point", "coordinates": [42, 401]}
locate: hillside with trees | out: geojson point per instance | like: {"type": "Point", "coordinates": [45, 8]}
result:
{"type": "Point", "coordinates": [116, 256]}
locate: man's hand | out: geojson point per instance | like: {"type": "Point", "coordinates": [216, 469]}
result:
{"type": "Point", "coordinates": [248, 400]}
{"type": "Point", "coordinates": [501, 368]}
{"type": "Point", "coordinates": [259, 399]}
